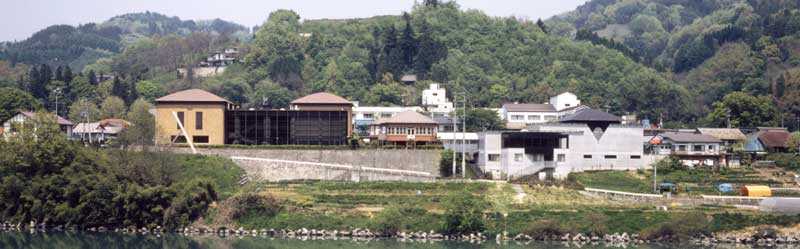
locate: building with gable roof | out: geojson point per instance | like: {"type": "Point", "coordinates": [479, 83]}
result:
{"type": "Point", "coordinates": [10, 126]}
{"type": "Point", "coordinates": [405, 128]}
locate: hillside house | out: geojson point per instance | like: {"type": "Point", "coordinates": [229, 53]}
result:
{"type": "Point", "coordinates": [11, 126]}
{"type": "Point", "coordinates": [691, 148]}
{"type": "Point", "coordinates": [518, 116]}
{"type": "Point", "coordinates": [408, 128]}
{"type": "Point", "coordinates": [768, 140]}
{"type": "Point", "coordinates": [365, 116]}
{"type": "Point", "coordinates": [434, 100]}
{"type": "Point", "coordinates": [101, 131]}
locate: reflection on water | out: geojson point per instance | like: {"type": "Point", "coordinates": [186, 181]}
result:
{"type": "Point", "coordinates": [113, 240]}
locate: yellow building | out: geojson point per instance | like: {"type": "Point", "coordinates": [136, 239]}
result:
{"type": "Point", "coordinates": [202, 114]}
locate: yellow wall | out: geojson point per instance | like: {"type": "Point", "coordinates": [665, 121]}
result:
{"type": "Point", "coordinates": [213, 121]}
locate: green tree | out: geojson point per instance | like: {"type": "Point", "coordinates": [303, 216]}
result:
{"type": "Point", "coordinates": [81, 107]}
{"type": "Point", "coordinates": [270, 94]}
{"type": "Point", "coordinates": [142, 129]}
{"type": "Point", "coordinates": [479, 119]}
{"type": "Point", "coordinates": [386, 93]}
{"type": "Point", "coordinates": [278, 50]}
{"type": "Point", "coordinates": [13, 100]}
{"type": "Point", "coordinates": [408, 43]}
{"type": "Point", "coordinates": [150, 90]}
{"type": "Point", "coordinates": [463, 213]}
{"type": "Point", "coordinates": [744, 111]}
{"type": "Point", "coordinates": [112, 107]}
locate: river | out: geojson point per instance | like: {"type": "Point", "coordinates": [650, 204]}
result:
{"type": "Point", "coordinates": [86, 240]}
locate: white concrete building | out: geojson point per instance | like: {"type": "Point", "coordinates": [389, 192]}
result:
{"type": "Point", "coordinates": [510, 154]}
{"type": "Point", "coordinates": [434, 99]}
{"type": "Point", "coordinates": [519, 116]}
{"type": "Point", "coordinates": [453, 141]}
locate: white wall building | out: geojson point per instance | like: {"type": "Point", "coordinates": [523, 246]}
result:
{"type": "Point", "coordinates": [364, 116]}
{"type": "Point", "coordinates": [453, 141]}
{"type": "Point", "coordinates": [434, 99]}
{"type": "Point", "coordinates": [10, 126]}
{"type": "Point", "coordinates": [519, 116]}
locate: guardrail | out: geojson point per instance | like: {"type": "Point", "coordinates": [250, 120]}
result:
{"type": "Point", "coordinates": [613, 192]}
{"type": "Point", "coordinates": [338, 166]}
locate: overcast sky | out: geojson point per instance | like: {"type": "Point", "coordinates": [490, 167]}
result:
{"type": "Point", "coordinates": [21, 18]}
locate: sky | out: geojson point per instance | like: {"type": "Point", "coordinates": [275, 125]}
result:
{"type": "Point", "coordinates": [21, 18]}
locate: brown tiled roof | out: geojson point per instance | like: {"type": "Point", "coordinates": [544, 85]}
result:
{"type": "Point", "coordinates": [690, 137]}
{"type": "Point", "coordinates": [774, 138]}
{"type": "Point", "coordinates": [406, 117]}
{"type": "Point", "coordinates": [322, 98]}
{"type": "Point", "coordinates": [724, 133]}
{"type": "Point", "coordinates": [529, 108]}
{"type": "Point", "coordinates": [193, 95]}
{"type": "Point", "coordinates": [60, 120]}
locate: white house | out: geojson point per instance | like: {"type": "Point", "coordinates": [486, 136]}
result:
{"type": "Point", "coordinates": [453, 141]}
{"type": "Point", "coordinates": [692, 149]}
{"type": "Point", "coordinates": [434, 99]}
{"type": "Point", "coordinates": [510, 154]}
{"type": "Point", "coordinates": [519, 116]}
{"type": "Point", "coordinates": [364, 116]}
{"type": "Point", "coordinates": [10, 126]}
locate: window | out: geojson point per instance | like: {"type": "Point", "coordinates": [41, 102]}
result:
{"type": "Point", "coordinates": [180, 119]}
{"type": "Point", "coordinates": [178, 139]}
{"type": "Point", "coordinates": [494, 157]}
{"type": "Point", "coordinates": [198, 120]}
{"type": "Point", "coordinates": [517, 117]}
{"type": "Point", "coordinates": [697, 148]}
{"type": "Point", "coordinates": [550, 118]}
{"type": "Point", "coordinates": [587, 156]}
{"type": "Point", "coordinates": [534, 117]}
{"type": "Point", "coordinates": [567, 105]}
{"type": "Point", "coordinates": [200, 139]}
{"type": "Point", "coordinates": [681, 147]}
{"type": "Point", "coordinates": [611, 157]}
{"type": "Point", "coordinates": [636, 157]}
{"type": "Point", "coordinates": [367, 115]}
{"type": "Point", "coordinates": [386, 115]}
{"type": "Point", "coordinates": [562, 157]}
{"type": "Point", "coordinates": [710, 147]}
{"type": "Point", "coordinates": [518, 157]}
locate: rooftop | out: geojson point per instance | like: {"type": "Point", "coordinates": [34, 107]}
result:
{"type": "Point", "coordinates": [192, 95]}
{"type": "Point", "coordinates": [61, 121]}
{"type": "Point", "coordinates": [690, 137]}
{"type": "Point", "coordinates": [774, 138]}
{"type": "Point", "coordinates": [512, 107]}
{"type": "Point", "coordinates": [591, 115]}
{"type": "Point", "coordinates": [723, 133]}
{"type": "Point", "coordinates": [406, 117]}
{"type": "Point", "coordinates": [322, 98]}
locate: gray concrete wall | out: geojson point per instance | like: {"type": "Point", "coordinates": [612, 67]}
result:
{"type": "Point", "coordinates": [414, 160]}
{"type": "Point", "coordinates": [261, 170]}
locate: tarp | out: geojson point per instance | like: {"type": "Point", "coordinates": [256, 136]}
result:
{"type": "Point", "coordinates": [756, 191]}
{"type": "Point", "coordinates": [780, 205]}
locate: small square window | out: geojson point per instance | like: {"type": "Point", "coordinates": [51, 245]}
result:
{"type": "Point", "coordinates": [562, 157]}
{"type": "Point", "coordinates": [494, 157]}
{"type": "Point", "coordinates": [587, 156]}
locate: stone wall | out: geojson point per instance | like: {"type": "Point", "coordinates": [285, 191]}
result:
{"type": "Point", "coordinates": [269, 170]}
{"type": "Point", "coordinates": [363, 160]}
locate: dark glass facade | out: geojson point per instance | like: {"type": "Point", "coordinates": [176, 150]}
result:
{"type": "Point", "coordinates": [279, 127]}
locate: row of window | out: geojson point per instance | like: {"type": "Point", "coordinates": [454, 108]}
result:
{"type": "Point", "coordinates": [408, 130]}
{"type": "Point", "coordinates": [588, 156]}
{"type": "Point", "coordinates": [195, 139]}
{"type": "Point", "coordinates": [198, 120]}
{"type": "Point", "coordinates": [372, 116]}
{"type": "Point", "coordinates": [533, 117]}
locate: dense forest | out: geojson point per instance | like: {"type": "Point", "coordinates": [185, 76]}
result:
{"type": "Point", "coordinates": [687, 62]}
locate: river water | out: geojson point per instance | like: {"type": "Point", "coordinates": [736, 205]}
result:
{"type": "Point", "coordinates": [85, 240]}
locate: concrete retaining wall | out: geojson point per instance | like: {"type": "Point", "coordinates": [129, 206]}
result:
{"type": "Point", "coordinates": [413, 160]}
{"type": "Point", "coordinates": [282, 170]}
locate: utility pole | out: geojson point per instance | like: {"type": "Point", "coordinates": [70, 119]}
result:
{"type": "Point", "coordinates": [463, 137]}
{"type": "Point", "coordinates": [655, 176]}
{"type": "Point", "coordinates": [453, 140]}
{"type": "Point", "coordinates": [57, 91]}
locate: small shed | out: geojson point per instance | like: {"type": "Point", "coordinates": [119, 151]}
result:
{"type": "Point", "coordinates": [780, 205]}
{"type": "Point", "coordinates": [756, 191]}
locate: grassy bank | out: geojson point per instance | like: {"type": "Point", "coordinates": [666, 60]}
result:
{"type": "Point", "coordinates": [395, 206]}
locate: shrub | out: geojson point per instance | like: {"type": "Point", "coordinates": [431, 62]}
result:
{"type": "Point", "coordinates": [254, 204]}
{"type": "Point", "coordinates": [680, 227]}
{"type": "Point", "coordinates": [596, 223]}
{"type": "Point", "coordinates": [669, 164]}
{"type": "Point", "coordinates": [398, 217]}
{"type": "Point", "coordinates": [785, 160]}
{"type": "Point", "coordinates": [463, 213]}
{"type": "Point", "coordinates": [542, 229]}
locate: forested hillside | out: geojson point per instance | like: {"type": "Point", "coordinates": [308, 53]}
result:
{"type": "Point", "coordinates": [688, 62]}
{"type": "Point", "coordinates": [64, 45]}
{"type": "Point", "coordinates": [713, 47]}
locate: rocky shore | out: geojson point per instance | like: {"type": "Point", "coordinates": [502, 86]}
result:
{"type": "Point", "coordinates": [761, 237]}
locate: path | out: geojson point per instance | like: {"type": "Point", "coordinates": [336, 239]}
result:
{"type": "Point", "coordinates": [519, 198]}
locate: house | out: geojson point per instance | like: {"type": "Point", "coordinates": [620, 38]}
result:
{"type": "Point", "coordinates": [325, 102]}
{"type": "Point", "coordinates": [215, 63]}
{"type": "Point", "coordinates": [596, 140]}
{"type": "Point", "coordinates": [518, 116]}
{"type": "Point", "coordinates": [201, 113]}
{"type": "Point", "coordinates": [434, 100]}
{"type": "Point", "coordinates": [510, 154]}
{"type": "Point", "coordinates": [691, 148]}
{"type": "Point", "coordinates": [317, 119]}
{"type": "Point", "coordinates": [733, 140]}
{"type": "Point", "coordinates": [773, 139]}
{"type": "Point", "coordinates": [405, 128]}
{"type": "Point", "coordinates": [11, 126]}
{"type": "Point", "coordinates": [101, 131]}
{"type": "Point", "coordinates": [364, 116]}
{"type": "Point", "coordinates": [454, 140]}
{"type": "Point", "coordinates": [409, 79]}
